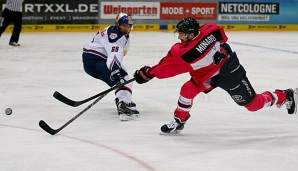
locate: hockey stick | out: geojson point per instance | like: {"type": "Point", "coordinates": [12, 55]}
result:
{"type": "Point", "coordinates": [73, 103]}
{"type": "Point", "coordinates": [52, 131]}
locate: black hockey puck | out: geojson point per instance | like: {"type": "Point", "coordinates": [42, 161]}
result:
{"type": "Point", "coordinates": [8, 111]}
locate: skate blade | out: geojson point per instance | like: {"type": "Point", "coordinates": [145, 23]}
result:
{"type": "Point", "coordinates": [124, 117]}
{"type": "Point", "coordinates": [295, 99]}
{"type": "Point", "coordinates": [174, 133]}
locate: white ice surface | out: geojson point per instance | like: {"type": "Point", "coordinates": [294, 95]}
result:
{"type": "Point", "coordinates": [220, 135]}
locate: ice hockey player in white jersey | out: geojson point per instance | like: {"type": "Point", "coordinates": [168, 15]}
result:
{"type": "Point", "coordinates": [103, 57]}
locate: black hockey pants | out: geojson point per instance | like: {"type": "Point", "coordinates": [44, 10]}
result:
{"type": "Point", "coordinates": [232, 78]}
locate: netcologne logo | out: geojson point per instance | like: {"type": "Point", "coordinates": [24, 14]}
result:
{"type": "Point", "coordinates": [248, 8]}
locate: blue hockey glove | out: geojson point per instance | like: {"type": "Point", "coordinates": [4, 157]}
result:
{"type": "Point", "coordinates": [118, 75]}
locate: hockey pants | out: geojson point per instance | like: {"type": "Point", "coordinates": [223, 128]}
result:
{"type": "Point", "coordinates": [96, 67]}
{"type": "Point", "coordinates": [233, 80]}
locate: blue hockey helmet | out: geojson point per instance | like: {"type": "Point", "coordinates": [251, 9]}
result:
{"type": "Point", "coordinates": [124, 18]}
{"type": "Point", "coordinates": [188, 25]}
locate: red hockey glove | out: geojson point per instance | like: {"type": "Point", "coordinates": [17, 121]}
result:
{"type": "Point", "coordinates": [142, 75]}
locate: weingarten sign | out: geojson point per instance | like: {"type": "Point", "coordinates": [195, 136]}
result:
{"type": "Point", "coordinates": [139, 10]}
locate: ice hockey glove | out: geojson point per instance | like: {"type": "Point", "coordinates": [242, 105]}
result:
{"type": "Point", "coordinates": [118, 76]}
{"type": "Point", "coordinates": [142, 75]}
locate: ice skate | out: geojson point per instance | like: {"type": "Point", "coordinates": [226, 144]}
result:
{"type": "Point", "coordinates": [126, 111]}
{"type": "Point", "coordinates": [291, 100]}
{"type": "Point", "coordinates": [173, 127]}
{"type": "Point", "coordinates": [14, 44]}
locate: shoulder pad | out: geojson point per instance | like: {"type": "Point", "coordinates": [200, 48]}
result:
{"type": "Point", "coordinates": [208, 26]}
{"type": "Point", "coordinates": [114, 34]}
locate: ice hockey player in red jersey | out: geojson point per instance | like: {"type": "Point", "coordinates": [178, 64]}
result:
{"type": "Point", "coordinates": [210, 61]}
{"type": "Point", "coordinates": [103, 58]}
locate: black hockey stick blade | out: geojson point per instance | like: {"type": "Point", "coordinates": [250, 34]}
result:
{"type": "Point", "coordinates": [73, 103]}
{"type": "Point", "coordinates": [47, 128]}
{"type": "Point", "coordinates": [52, 131]}
{"type": "Point", "coordinates": [66, 100]}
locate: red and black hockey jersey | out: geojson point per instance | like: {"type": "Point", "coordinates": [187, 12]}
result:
{"type": "Point", "coordinates": [195, 56]}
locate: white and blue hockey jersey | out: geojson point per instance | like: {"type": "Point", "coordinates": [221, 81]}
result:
{"type": "Point", "coordinates": [109, 44]}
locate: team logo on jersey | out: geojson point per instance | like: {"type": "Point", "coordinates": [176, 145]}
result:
{"type": "Point", "coordinates": [113, 36]}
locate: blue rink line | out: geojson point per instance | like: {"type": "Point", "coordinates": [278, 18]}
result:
{"type": "Point", "coordinates": [263, 47]}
